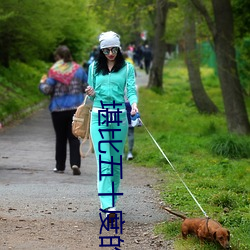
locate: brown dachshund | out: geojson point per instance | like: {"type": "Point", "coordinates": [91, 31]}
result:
{"type": "Point", "coordinates": [204, 229]}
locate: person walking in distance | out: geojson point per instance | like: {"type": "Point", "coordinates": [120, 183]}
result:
{"type": "Point", "coordinates": [147, 54]}
{"type": "Point", "coordinates": [65, 83]}
{"type": "Point", "coordinates": [131, 129]}
{"type": "Point", "coordinates": [108, 78]}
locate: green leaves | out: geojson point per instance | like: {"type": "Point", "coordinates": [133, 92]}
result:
{"type": "Point", "coordinates": [30, 32]}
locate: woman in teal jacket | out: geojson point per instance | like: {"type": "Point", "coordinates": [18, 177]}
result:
{"type": "Point", "coordinates": [108, 78]}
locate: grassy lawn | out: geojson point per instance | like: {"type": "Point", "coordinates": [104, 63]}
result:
{"type": "Point", "coordinates": [214, 164]}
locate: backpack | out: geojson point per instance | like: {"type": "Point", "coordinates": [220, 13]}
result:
{"type": "Point", "coordinates": [81, 125]}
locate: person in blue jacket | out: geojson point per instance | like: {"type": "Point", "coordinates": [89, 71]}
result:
{"type": "Point", "coordinates": [108, 77]}
{"type": "Point", "coordinates": [65, 83]}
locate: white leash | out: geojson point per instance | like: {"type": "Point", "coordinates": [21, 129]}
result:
{"type": "Point", "coordinates": [174, 169]}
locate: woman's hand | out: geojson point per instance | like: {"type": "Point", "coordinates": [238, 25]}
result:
{"type": "Point", "coordinates": [90, 91]}
{"type": "Point", "coordinates": [134, 109]}
{"type": "Point", "coordinates": [43, 79]}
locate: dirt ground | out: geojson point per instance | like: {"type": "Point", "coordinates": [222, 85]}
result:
{"type": "Point", "coordinates": [40, 209]}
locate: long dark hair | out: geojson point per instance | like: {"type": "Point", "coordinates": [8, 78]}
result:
{"type": "Point", "coordinates": [102, 67]}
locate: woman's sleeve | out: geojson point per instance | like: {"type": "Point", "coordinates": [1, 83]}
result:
{"type": "Point", "coordinates": [47, 87]}
{"type": "Point", "coordinates": [131, 85]}
{"type": "Point", "coordinates": [81, 73]}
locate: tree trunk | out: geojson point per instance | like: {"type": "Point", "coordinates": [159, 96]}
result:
{"type": "Point", "coordinates": [223, 38]}
{"type": "Point", "coordinates": [235, 109]}
{"type": "Point", "coordinates": [159, 47]}
{"type": "Point", "coordinates": [201, 99]}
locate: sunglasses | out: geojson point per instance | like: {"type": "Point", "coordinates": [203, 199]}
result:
{"type": "Point", "coordinates": [106, 51]}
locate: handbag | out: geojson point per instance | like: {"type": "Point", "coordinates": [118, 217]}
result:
{"type": "Point", "coordinates": [81, 126]}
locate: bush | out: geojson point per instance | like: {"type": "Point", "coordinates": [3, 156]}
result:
{"type": "Point", "coordinates": [231, 146]}
{"type": "Point", "coordinates": [223, 200]}
{"type": "Point", "coordinates": [19, 88]}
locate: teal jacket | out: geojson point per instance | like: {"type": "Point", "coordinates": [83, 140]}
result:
{"type": "Point", "coordinates": [111, 87]}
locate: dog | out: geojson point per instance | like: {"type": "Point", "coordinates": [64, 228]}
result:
{"type": "Point", "coordinates": [204, 229]}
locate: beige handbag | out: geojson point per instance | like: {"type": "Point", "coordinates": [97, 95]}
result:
{"type": "Point", "coordinates": [81, 126]}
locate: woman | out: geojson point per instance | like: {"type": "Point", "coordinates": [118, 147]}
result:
{"type": "Point", "coordinates": [65, 83]}
{"type": "Point", "coordinates": [108, 77]}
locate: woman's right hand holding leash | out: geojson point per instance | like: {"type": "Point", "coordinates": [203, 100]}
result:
{"type": "Point", "coordinates": [90, 91]}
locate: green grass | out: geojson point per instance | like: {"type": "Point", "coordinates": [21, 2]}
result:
{"type": "Point", "coordinates": [19, 88]}
{"type": "Point", "coordinates": [214, 164]}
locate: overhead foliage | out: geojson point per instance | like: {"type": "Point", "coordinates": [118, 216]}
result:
{"type": "Point", "coordinates": [28, 33]}
{"type": "Point", "coordinates": [174, 26]}
{"type": "Point", "coordinates": [126, 17]}
{"type": "Point", "coordinates": [241, 18]}
{"type": "Point", "coordinates": [242, 32]}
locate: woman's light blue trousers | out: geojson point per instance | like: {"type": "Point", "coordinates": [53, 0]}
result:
{"type": "Point", "coordinates": [108, 132]}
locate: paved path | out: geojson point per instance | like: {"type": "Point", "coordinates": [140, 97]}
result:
{"type": "Point", "coordinates": [141, 78]}
{"type": "Point", "coordinates": [30, 190]}
{"type": "Point", "coordinates": [26, 163]}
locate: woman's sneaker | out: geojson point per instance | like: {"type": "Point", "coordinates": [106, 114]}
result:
{"type": "Point", "coordinates": [76, 170]}
{"type": "Point", "coordinates": [109, 213]}
{"type": "Point", "coordinates": [129, 156]}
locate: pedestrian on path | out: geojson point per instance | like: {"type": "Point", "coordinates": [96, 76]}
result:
{"type": "Point", "coordinates": [131, 129]}
{"type": "Point", "coordinates": [147, 54]}
{"type": "Point", "coordinates": [65, 84]}
{"type": "Point", "coordinates": [108, 78]}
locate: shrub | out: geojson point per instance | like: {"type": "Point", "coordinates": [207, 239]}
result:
{"type": "Point", "coordinates": [231, 146]}
{"type": "Point", "coordinates": [223, 200]}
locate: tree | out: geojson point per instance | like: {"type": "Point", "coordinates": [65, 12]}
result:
{"type": "Point", "coordinates": [223, 38]}
{"type": "Point", "coordinates": [241, 17]}
{"type": "Point", "coordinates": [201, 99]}
{"type": "Point", "coordinates": [28, 33]}
{"type": "Point", "coordinates": [242, 33]}
{"type": "Point", "coordinates": [159, 46]}
{"type": "Point", "coordinates": [127, 17]}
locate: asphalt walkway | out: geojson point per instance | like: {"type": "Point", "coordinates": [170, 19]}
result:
{"type": "Point", "coordinates": [29, 187]}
